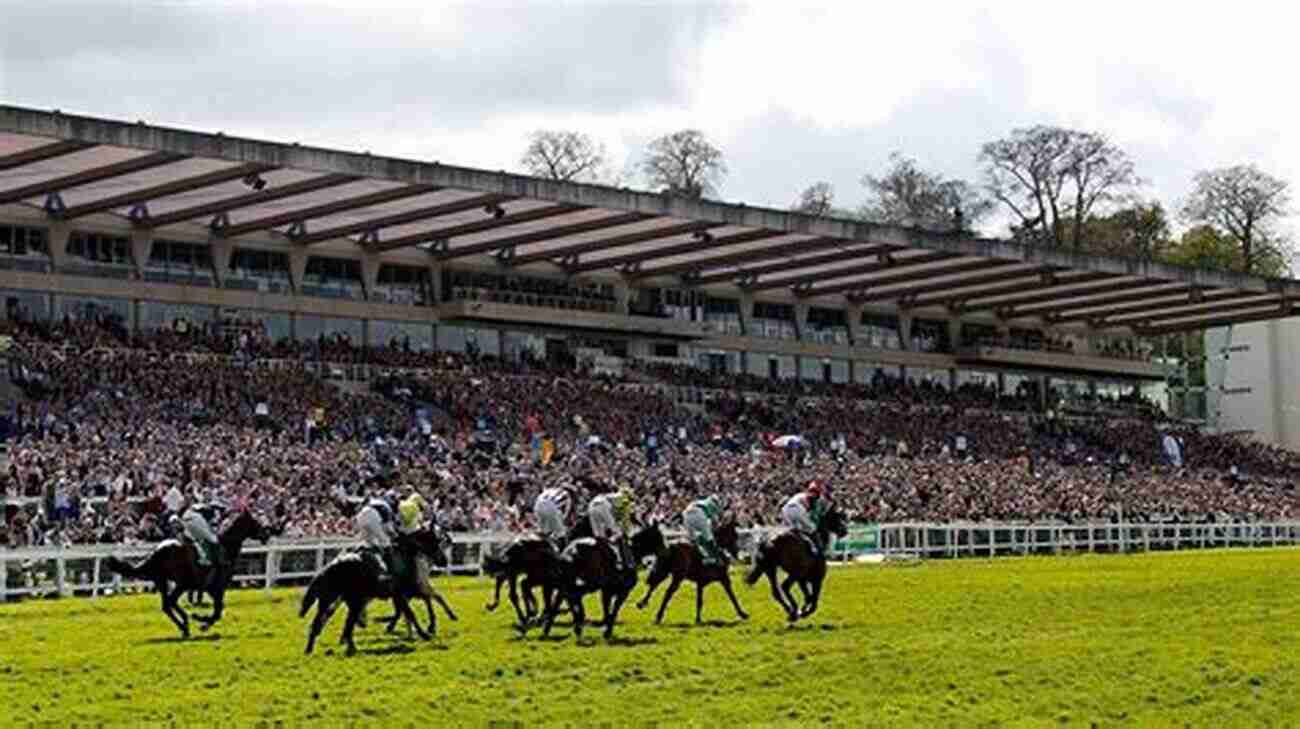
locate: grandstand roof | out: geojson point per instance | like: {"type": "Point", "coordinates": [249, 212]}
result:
{"type": "Point", "coordinates": [74, 166]}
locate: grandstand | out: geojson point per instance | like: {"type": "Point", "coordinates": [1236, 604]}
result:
{"type": "Point", "coordinates": [163, 227]}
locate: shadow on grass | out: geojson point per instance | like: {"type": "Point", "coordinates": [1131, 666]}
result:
{"type": "Point", "coordinates": [206, 638]}
{"type": "Point", "coordinates": [708, 624]}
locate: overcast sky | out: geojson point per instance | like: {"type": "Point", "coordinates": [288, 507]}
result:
{"type": "Point", "coordinates": [792, 95]}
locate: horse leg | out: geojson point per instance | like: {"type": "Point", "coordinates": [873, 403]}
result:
{"type": "Point", "coordinates": [437, 597]}
{"type": "Point", "coordinates": [496, 594]}
{"type": "Point", "coordinates": [218, 609]}
{"type": "Point", "coordinates": [652, 582]}
{"type": "Point", "coordinates": [354, 612]}
{"type": "Point", "coordinates": [726, 585]}
{"type": "Point", "coordinates": [167, 610]}
{"type": "Point", "coordinates": [699, 601]}
{"type": "Point", "coordinates": [514, 600]}
{"type": "Point", "coordinates": [324, 611]}
{"type": "Point", "coordinates": [668, 597]}
{"type": "Point", "coordinates": [815, 598]}
{"type": "Point", "coordinates": [412, 623]}
{"type": "Point", "coordinates": [787, 586]}
{"type": "Point", "coordinates": [173, 601]}
{"type": "Point", "coordinates": [579, 612]}
{"type": "Point", "coordinates": [776, 593]}
{"type": "Point", "coordinates": [612, 617]}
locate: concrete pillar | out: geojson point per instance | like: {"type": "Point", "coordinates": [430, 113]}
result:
{"type": "Point", "coordinates": [219, 250]}
{"type": "Point", "coordinates": [369, 272]}
{"type": "Point", "coordinates": [853, 316]}
{"type": "Point", "coordinates": [954, 333]}
{"type": "Point", "coordinates": [746, 313]}
{"type": "Point", "coordinates": [622, 297]}
{"type": "Point", "coordinates": [1002, 383]}
{"type": "Point", "coordinates": [59, 234]}
{"type": "Point", "coordinates": [801, 321]}
{"type": "Point", "coordinates": [297, 267]}
{"type": "Point", "coordinates": [435, 282]}
{"type": "Point", "coordinates": [905, 332]}
{"type": "Point", "coordinates": [141, 246]}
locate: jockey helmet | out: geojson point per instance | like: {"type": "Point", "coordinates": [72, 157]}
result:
{"type": "Point", "coordinates": [815, 489]}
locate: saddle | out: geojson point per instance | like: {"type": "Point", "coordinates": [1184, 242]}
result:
{"type": "Point", "coordinates": [808, 540]}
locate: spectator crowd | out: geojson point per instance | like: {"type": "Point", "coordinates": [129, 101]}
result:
{"type": "Point", "coordinates": [110, 433]}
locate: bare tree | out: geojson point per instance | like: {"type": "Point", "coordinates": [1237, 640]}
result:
{"type": "Point", "coordinates": [908, 195]}
{"type": "Point", "coordinates": [817, 200]}
{"type": "Point", "coordinates": [684, 163]}
{"type": "Point", "coordinates": [1248, 204]}
{"type": "Point", "coordinates": [563, 155]}
{"type": "Point", "coordinates": [1053, 179]}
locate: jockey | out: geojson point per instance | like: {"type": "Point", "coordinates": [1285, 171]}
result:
{"type": "Point", "coordinates": [552, 509]}
{"type": "Point", "coordinates": [611, 519]}
{"type": "Point", "coordinates": [375, 525]}
{"type": "Point", "coordinates": [196, 521]}
{"type": "Point", "coordinates": [803, 511]}
{"type": "Point", "coordinates": [410, 513]}
{"type": "Point", "coordinates": [699, 519]}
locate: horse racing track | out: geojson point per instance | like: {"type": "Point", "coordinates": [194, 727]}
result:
{"type": "Point", "coordinates": [1185, 639]}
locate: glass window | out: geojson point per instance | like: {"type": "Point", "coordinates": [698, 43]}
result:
{"type": "Point", "coordinates": [452, 338]}
{"type": "Point", "coordinates": [26, 305]}
{"type": "Point", "coordinates": [307, 327]}
{"type": "Point", "coordinates": [773, 320]}
{"type": "Point", "coordinates": [271, 326]}
{"type": "Point", "coordinates": [258, 270]}
{"type": "Point", "coordinates": [177, 317]}
{"type": "Point", "coordinates": [181, 262]}
{"type": "Point", "coordinates": [879, 331]}
{"type": "Point", "coordinates": [397, 284]}
{"type": "Point", "coordinates": [414, 336]}
{"type": "Point", "coordinates": [332, 278]}
{"type": "Point", "coordinates": [723, 315]}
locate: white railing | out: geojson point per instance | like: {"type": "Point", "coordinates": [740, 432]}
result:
{"type": "Point", "coordinates": [991, 540]}
{"type": "Point", "coordinates": [79, 570]}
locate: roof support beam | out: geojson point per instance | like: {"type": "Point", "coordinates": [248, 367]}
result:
{"type": "Point", "coordinates": [31, 122]}
{"type": "Point", "coordinates": [1083, 284]}
{"type": "Point", "coordinates": [1284, 310]}
{"type": "Point", "coordinates": [1155, 301]}
{"type": "Point", "coordinates": [479, 226]}
{"type": "Point", "coordinates": [577, 249]}
{"type": "Point", "coordinates": [908, 277]}
{"type": "Point", "coordinates": [587, 226]}
{"type": "Point", "coordinates": [1064, 304]}
{"type": "Point", "coordinates": [259, 197]}
{"type": "Point", "coordinates": [858, 270]}
{"type": "Point", "coordinates": [319, 211]}
{"type": "Point", "coordinates": [144, 195]}
{"type": "Point", "coordinates": [861, 269]}
{"type": "Point", "coordinates": [692, 269]}
{"type": "Point", "coordinates": [1209, 308]}
{"type": "Point", "coordinates": [369, 227]}
{"type": "Point", "coordinates": [85, 177]}
{"type": "Point", "coordinates": [41, 153]}
{"type": "Point", "coordinates": [636, 259]}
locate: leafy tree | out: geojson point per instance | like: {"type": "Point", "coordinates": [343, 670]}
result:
{"type": "Point", "coordinates": [818, 200]}
{"type": "Point", "coordinates": [1247, 205]}
{"type": "Point", "coordinates": [908, 195]}
{"type": "Point", "coordinates": [563, 155]}
{"type": "Point", "coordinates": [684, 163]}
{"type": "Point", "coordinates": [1208, 247]}
{"type": "Point", "coordinates": [1138, 231]}
{"type": "Point", "coordinates": [1053, 180]}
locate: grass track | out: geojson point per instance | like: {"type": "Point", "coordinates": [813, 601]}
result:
{"type": "Point", "coordinates": [1202, 639]}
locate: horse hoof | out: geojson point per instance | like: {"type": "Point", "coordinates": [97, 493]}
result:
{"type": "Point", "coordinates": [744, 616]}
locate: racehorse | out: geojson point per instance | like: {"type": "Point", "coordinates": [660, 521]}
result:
{"type": "Point", "coordinates": [680, 560]}
{"type": "Point", "coordinates": [533, 558]}
{"type": "Point", "coordinates": [174, 569]}
{"type": "Point", "coordinates": [789, 551]}
{"type": "Point", "coordinates": [588, 565]}
{"type": "Point", "coordinates": [352, 579]}
{"type": "Point", "coordinates": [413, 547]}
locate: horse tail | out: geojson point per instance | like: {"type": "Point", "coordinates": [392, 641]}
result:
{"type": "Point", "coordinates": [762, 559]}
{"type": "Point", "coordinates": [312, 594]}
{"type": "Point", "coordinates": [128, 570]}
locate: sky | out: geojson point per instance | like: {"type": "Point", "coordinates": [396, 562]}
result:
{"type": "Point", "coordinates": [791, 92]}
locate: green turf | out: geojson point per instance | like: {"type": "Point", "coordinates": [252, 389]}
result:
{"type": "Point", "coordinates": [1202, 639]}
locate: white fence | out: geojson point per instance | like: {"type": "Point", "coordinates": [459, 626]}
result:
{"type": "Point", "coordinates": [79, 570]}
{"type": "Point", "coordinates": [991, 540]}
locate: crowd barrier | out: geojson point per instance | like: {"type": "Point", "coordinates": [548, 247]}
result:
{"type": "Point", "coordinates": [79, 570]}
